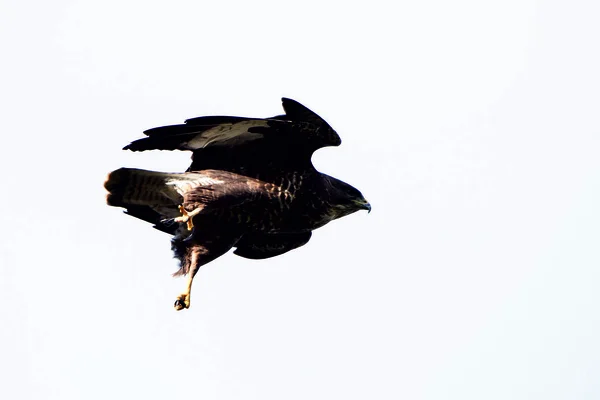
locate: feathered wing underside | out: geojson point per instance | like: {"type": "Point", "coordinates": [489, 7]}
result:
{"type": "Point", "coordinates": [198, 134]}
{"type": "Point", "coordinates": [258, 245]}
{"type": "Point", "coordinates": [245, 145]}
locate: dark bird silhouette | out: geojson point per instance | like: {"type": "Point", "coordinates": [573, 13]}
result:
{"type": "Point", "coordinates": [251, 186]}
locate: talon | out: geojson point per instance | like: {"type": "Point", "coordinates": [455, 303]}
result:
{"type": "Point", "coordinates": [187, 217]}
{"type": "Point", "coordinates": [178, 305]}
{"type": "Point", "coordinates": [183, 301]}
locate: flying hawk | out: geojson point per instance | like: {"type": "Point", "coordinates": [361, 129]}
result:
{"type": "Point", "coordinates": [251, 185]}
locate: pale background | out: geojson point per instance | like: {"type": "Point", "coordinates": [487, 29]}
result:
{"type": "Point", "coordinates": [472, 127]}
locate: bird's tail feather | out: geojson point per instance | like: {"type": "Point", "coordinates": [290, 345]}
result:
{"type": "Point", "coordinates": [138, 187]}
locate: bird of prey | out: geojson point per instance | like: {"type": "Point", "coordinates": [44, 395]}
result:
{"type": "Point", "coordinates": [251, 186]}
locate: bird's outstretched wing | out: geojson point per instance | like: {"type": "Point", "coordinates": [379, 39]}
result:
{"type": "Point", "coordinates": [258, 245]}
{"type": "Point", "coordinates": [246, 145]}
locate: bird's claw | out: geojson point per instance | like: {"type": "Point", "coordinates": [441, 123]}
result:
{"type": "Point", "coordinates": [185, 217]}
{"type": "Point", "coordinates": [183, 301]}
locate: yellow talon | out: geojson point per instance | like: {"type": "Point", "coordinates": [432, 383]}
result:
{"type": "Point", "coordinates": [187, 217]}
{"type": "Point", "coordinates": [183, 301]}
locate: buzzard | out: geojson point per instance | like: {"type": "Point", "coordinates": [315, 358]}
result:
{"type": "Point", "coordinates": [251, 186]}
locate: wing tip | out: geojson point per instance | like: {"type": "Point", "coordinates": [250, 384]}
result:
{"type": "Point", "coordinates": [135, 146]}
{"type": "Point", "coordinates": [289, 101]}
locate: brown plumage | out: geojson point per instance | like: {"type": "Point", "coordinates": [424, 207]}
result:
{"type": "Point", "coordinates": [251, 185]}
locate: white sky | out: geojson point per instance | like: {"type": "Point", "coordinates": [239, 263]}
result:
{"type": "Point", "coordinates": [471, 126]}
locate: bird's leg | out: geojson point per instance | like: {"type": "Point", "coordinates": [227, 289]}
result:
{"type": "Point", "coordinates": [200, 250]}
{"type": "Point", "coordinates": [187, 216]}
{"type": "Point", "coordinates": [183, 300]}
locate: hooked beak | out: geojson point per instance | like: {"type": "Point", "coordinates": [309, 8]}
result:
{"type": "Point", "coordinates": [364, 205]}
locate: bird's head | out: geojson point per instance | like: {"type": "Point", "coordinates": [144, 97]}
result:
{"type": "Point", "coordinates": [346, 199]}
